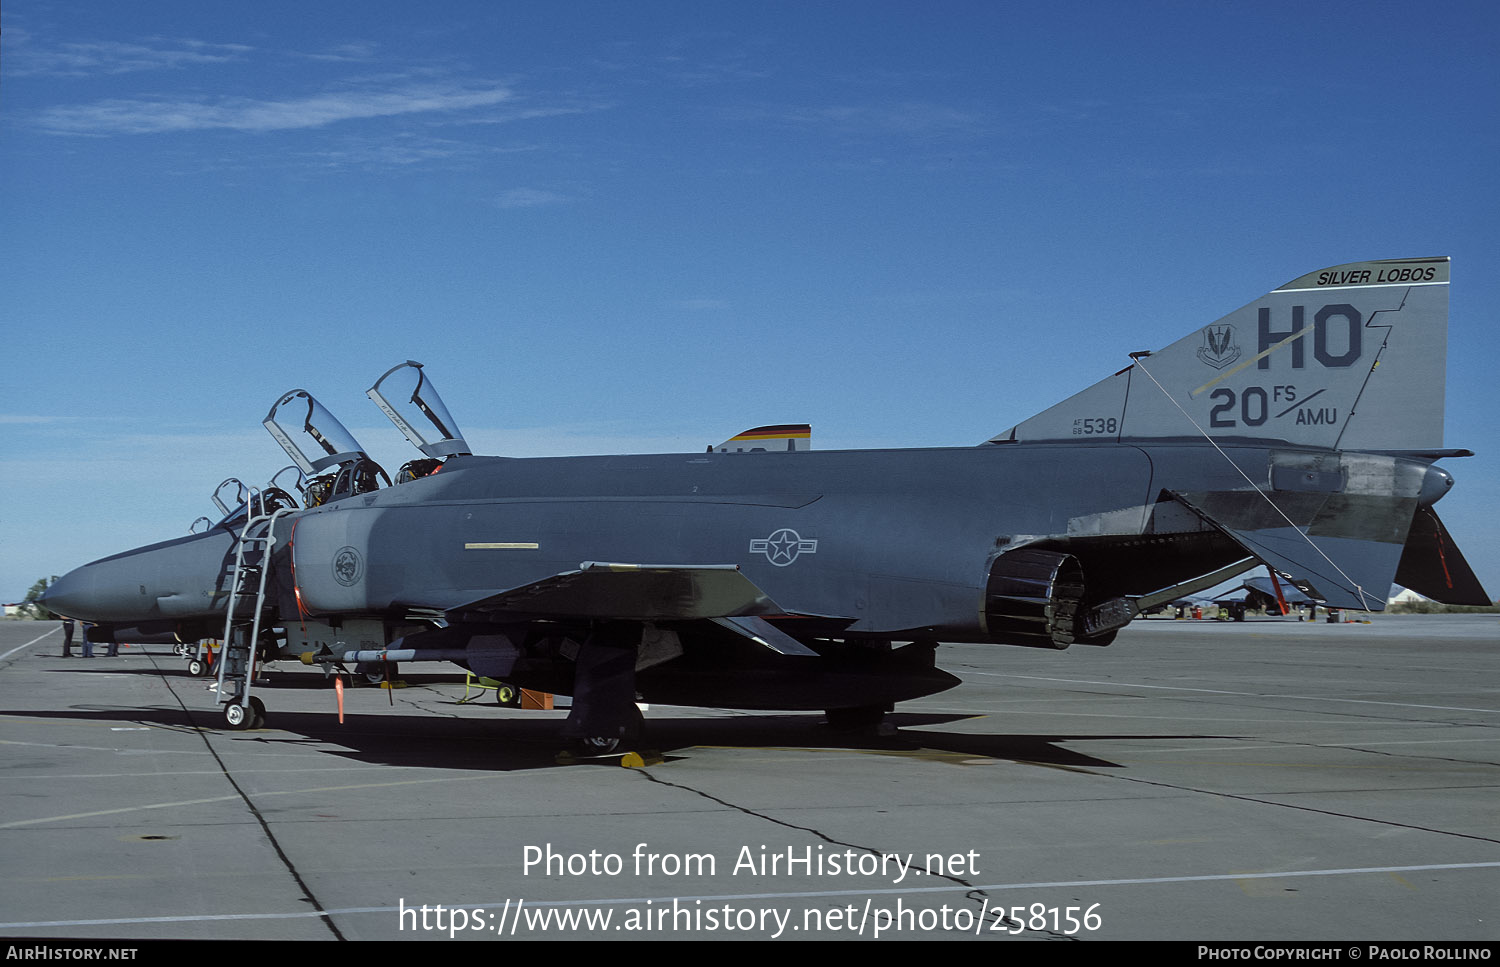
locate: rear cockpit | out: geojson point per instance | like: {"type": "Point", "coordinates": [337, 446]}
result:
{"type": "Point", "coordinates": [408, 398]}
{"type": "Point", "coordinates": [334, 463]}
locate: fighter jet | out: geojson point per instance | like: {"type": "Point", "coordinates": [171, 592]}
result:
{"type": "Point", "coordinates": [1299, 432]}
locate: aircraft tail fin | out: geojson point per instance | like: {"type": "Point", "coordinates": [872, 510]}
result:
{"type": "Point", "coordinates": [782, 436]}
{"type": "Point", "coordinates": [1350, 357]}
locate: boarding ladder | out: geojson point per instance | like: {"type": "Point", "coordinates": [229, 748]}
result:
{"type": "Point", "coordinates": [247, 577]}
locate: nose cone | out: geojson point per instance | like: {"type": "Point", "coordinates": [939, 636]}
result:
{"type": "Point", "coordinates": [71, 595]}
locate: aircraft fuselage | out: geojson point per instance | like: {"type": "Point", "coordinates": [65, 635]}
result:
{"type": "Point", "coordinates": [895, 541]}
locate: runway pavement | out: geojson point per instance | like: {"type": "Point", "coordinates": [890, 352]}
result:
{"type": "Point", "coordinates": [1271, 780]}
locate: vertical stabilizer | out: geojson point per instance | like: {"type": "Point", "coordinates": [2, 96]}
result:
{"type": "Point", "coordinates": [1350, 357]}
{"type": "Point", "coordinates": [782, 436]}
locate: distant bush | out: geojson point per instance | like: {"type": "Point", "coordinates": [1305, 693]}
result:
{"type": "Point", "coordinates": [31, 606]}
{"type": "Point", "coordinates": [1432, 607]}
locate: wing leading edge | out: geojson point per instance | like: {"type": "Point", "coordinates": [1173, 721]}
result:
{"type": "Point", "coordinates": [635, 592]}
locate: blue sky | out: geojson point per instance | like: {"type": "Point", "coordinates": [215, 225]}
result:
{"type": "Point", "coordinates": [613, 227]}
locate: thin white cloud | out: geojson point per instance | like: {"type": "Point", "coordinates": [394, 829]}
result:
{"type": "Point", "coordinates": [156, 116]}
{"type": "Point", "coordinates": [403, 150]}
{"type": "Point", "coordinates": [517, 112]}
{"type": "Point", "coordinates": [529, 198]}
{"type": "Point", "coordinates": [27, 419]}
{"type": "Point", "coordinates": [355, 52]}
{"type": "Point", "coordinates": [905, 119]}
{"type": "Point", "coordinates": [82, 59]}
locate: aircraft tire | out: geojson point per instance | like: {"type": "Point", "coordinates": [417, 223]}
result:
{"type": "Point", "coordinates": [508, 695]}
{"type": "Point", "coordinates": [376, 672]}
{"type": "Point", "coordinates": [258, 719]}
{"type": "Point", "coordinates": [238, 717]}
{"type": "Point", "coordinates": [595, 746]}
{"type": "Point", "coordinates": [197, 668]}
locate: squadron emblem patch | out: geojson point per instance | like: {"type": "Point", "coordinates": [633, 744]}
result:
{"type": "Point", "coordinates": [1219, 348]}
{"type": "Point", "coordinates": [348, 567]}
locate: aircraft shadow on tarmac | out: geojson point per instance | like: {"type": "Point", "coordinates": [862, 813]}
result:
{"type": "Point", "coordinates": [514, 740]}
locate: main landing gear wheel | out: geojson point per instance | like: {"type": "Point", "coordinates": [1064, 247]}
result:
{"type": "Point", "coordinates": [610, 747]}
{"type": "Point", "coordinates": [377, 672]}
{"type": "Point", "coordinates": [198, 668]}
{"type": "Point", "coordinates": [597, 745]}
{"type": "Point", "coordinates": [605, 751]}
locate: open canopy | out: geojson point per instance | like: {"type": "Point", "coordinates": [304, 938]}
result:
{"type": "Point", "coordinates": [311, 436]}
{"type": "Point", "coordinates": [407, 396]}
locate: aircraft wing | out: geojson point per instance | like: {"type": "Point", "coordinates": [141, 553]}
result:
{"type": "Point", "coordinates": [1344, 549]}
{"type": "Point", "coordinates": [635, 592]}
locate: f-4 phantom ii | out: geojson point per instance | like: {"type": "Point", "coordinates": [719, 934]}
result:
{"type": "Point", "coordinates": [1300, 432]}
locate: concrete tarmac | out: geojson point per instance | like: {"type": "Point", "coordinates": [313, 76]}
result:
{"type": "Point", "coordinates": [1271, 780]}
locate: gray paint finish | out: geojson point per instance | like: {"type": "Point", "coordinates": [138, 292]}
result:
{"type": "Point", "coordinates": [1047, 535]}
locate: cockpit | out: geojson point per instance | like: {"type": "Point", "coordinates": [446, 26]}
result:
{"type": "Point", "coordinates": [408, 398]}
{"type": "Point", "coordinates": [328, 462]}
{"type": "Point", "coordinates": [334, 463]}
{"type": "Point", "coordinates": [239, 503]}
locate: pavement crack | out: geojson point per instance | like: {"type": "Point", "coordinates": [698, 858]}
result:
{"type": "Point", "coordinates": [307, 893]}
{"type": "Point", "coordinates": [977, 895]}
{"type": "Point", "coordinates": [1287, 805]}
{"type": "Point", "coordinates": [1354, 747]}
{"type": "Point", "coordinates": [431, 706]}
